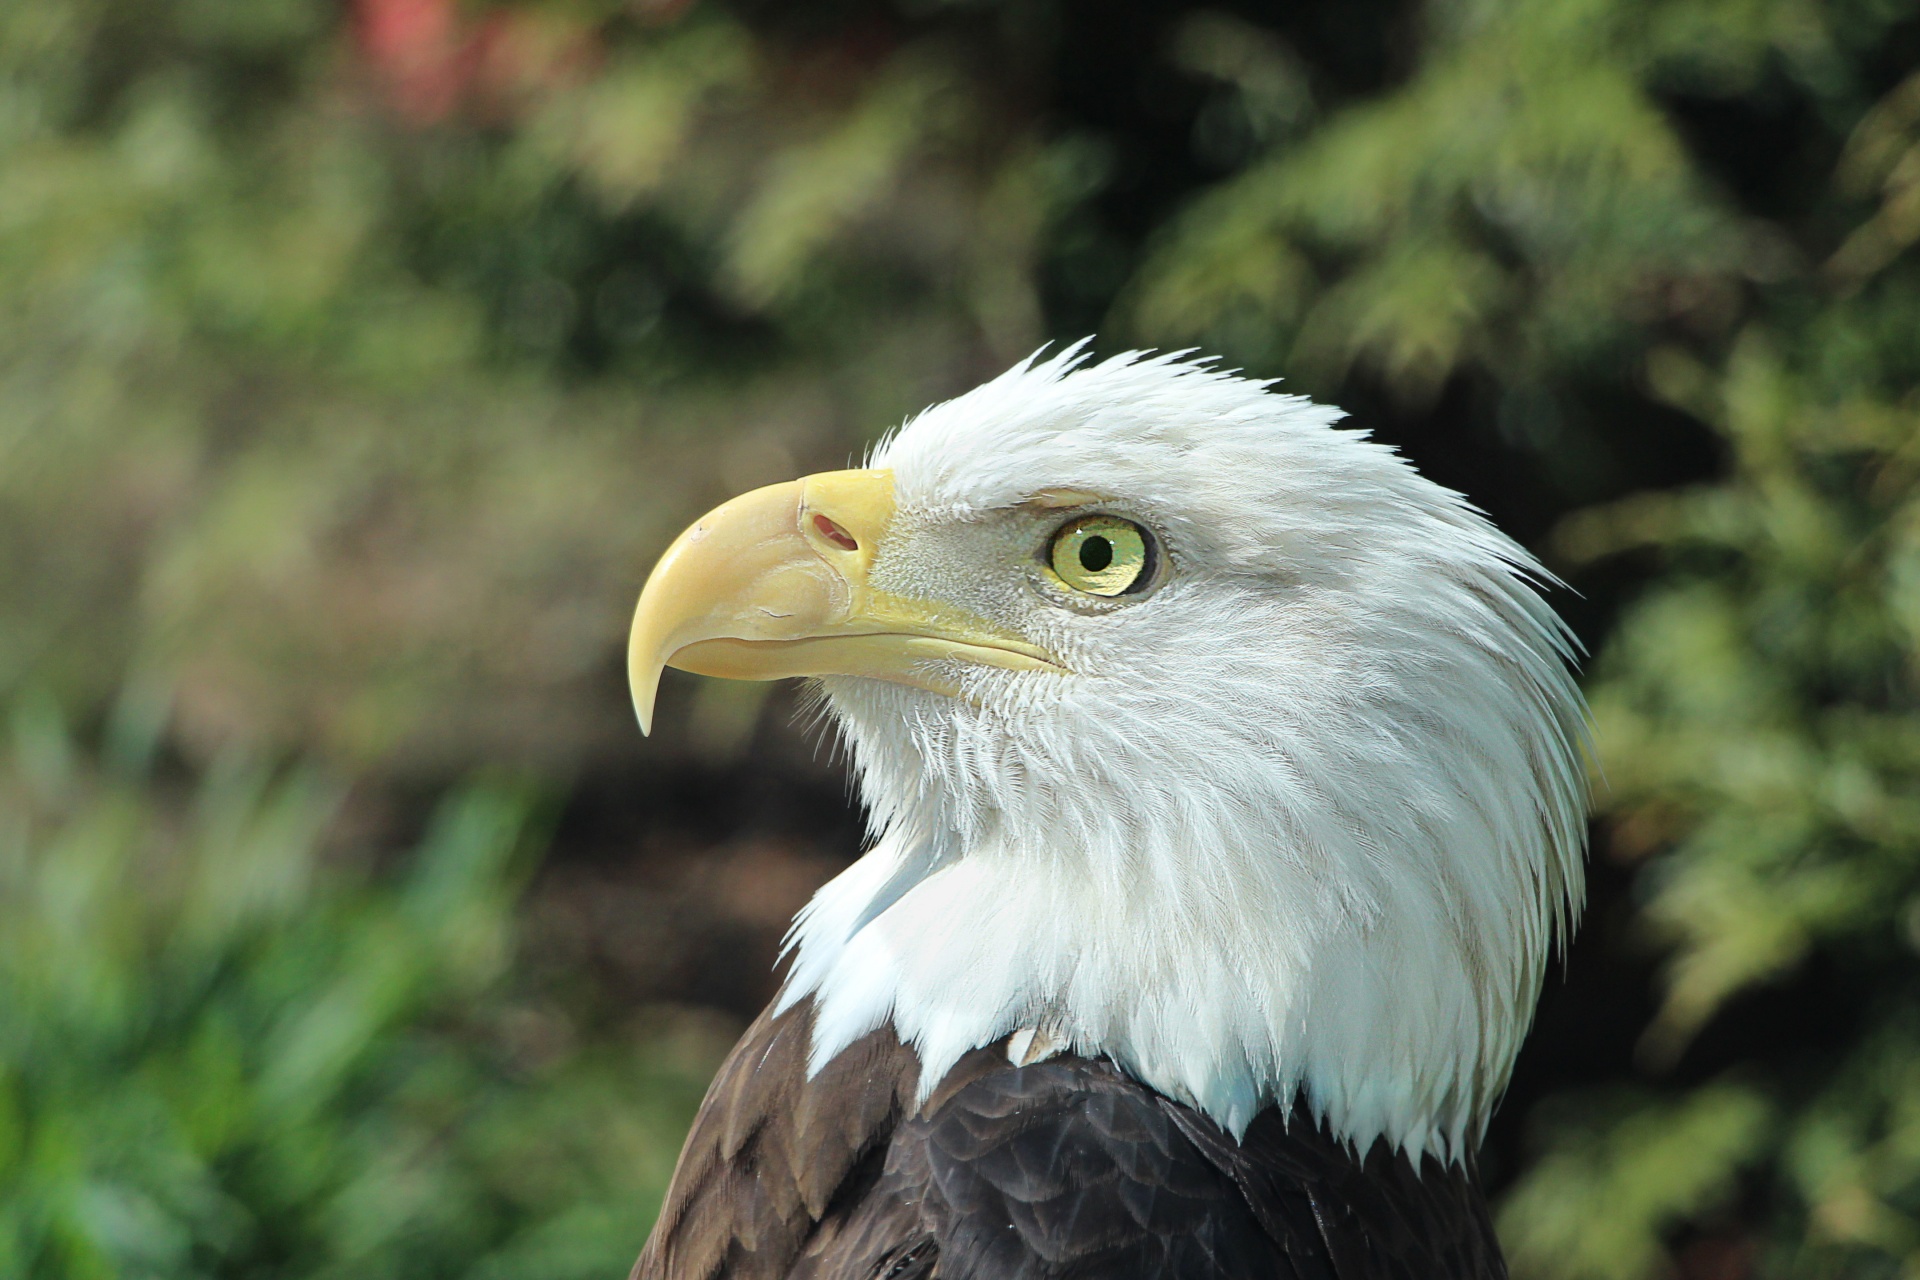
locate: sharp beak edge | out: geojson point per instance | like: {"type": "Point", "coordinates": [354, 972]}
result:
{"type": "Point", "coordinates": [775, 583]}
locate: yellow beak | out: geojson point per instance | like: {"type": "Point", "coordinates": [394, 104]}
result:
{"type": "Point", "coordinates": [774, 584]}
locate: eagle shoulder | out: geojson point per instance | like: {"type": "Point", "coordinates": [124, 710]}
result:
{"type": "Point", "coordinates": [1066, 1167]}
{"type": "Point", "coordinates": [770, 1149]}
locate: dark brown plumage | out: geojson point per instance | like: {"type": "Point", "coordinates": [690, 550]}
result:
{"type": "Point", "coordinates": [1065, 1168]}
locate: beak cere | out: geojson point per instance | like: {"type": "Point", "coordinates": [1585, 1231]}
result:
{"type": "Point", "coordinates": [775, 583]}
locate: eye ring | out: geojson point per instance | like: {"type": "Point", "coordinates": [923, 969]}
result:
{"type": "Point", "coordinates": [1101, 555]}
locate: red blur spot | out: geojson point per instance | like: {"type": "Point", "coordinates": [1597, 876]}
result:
{"type": "Point", "coordinates": [434, 62]}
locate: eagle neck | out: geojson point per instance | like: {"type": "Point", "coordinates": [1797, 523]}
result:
{"type": "Point", "coordinates": [1362, 931]}
{"type": "Point", "coordinates": [957, 951]}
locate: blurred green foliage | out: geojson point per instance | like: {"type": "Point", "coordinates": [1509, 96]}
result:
{"type": "Point", "coordinates": [223, 1053]}
{"type": "Point", "coordinates": [344, 349]}
{"type": "Point", "coordinates": [1758, 720]}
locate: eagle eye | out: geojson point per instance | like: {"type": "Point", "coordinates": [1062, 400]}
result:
{"type": "Point", "coordinates": [1101, 555]}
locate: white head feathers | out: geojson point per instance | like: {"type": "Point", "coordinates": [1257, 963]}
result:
{"type": "Point", "coordinates": [1307, 818]}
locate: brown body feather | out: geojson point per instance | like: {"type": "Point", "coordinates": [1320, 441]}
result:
{"type": "Point", "coordinates": [1065, 1168]}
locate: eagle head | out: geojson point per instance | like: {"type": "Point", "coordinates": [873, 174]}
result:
{"type": "Point", "coordinates": [1194, 731]}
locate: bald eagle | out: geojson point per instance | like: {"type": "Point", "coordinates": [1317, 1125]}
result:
{"type": "Point", "coordinates": [1226, 792]}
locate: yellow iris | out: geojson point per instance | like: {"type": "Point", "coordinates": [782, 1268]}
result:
{"type": "Point", "coordinates": [1100, 555]}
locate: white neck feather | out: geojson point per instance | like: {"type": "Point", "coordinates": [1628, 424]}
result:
{"type": "Point", "coordinates": [1273, 934]}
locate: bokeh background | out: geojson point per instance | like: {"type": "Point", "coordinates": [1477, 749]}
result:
{"type": "Point", "coordinates": [357, 358]}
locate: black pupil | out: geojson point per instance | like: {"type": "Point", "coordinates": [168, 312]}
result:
{"type": "Point", "coordinates": [1096, 553]}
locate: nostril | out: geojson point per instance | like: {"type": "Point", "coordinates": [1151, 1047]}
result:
{"type": "Point", "coordinates": [835, 534]}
